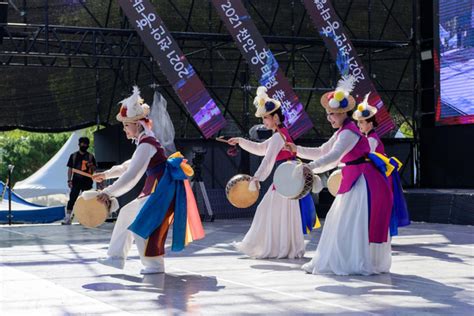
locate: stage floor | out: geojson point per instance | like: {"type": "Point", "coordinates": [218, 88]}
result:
{"type": "Point", "coordinates": [52, 270]}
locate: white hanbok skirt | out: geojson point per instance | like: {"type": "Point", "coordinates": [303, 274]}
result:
{"type": "Point", "coordinates": [344, 247]}
{"type": "Point", "coordinates": [276, 230]}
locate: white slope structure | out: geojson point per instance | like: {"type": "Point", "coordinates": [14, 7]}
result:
{"type": "Point", "coordinates": [23, 211]}
{"type": "Point", "coordinates": [48, 185]}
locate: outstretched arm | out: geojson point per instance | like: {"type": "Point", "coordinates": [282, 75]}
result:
{"type": "Point", "coordinates": [313, 153]}
{"type": "Point", "coordinates": [134, 171]}
{"type": "Point", "coordinates": [274, 145]}
{"type": "Point", "coordinates": [255, 148]}
{"type": "Point", "coordinates": [114, 172]}
{"type": "Point", "coordinates": [345, 141]}
{"type": "Point", "coordinates": [117, 171]}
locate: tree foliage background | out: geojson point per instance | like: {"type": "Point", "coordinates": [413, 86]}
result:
{"type": "Point", "coordinates": [28, 151]}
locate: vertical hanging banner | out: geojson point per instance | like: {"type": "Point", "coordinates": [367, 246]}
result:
{"type": "Point", "coordinates": [262, 62]}
{"type": "Point", "coordinates": [330, 27]}
{"type": "Point", "coordinates": [174, 65]}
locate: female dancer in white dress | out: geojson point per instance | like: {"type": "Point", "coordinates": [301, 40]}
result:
{"type": "Point", "coordinates": [276, 230]}
{"type": "Point", "coordinates": [354, 237]}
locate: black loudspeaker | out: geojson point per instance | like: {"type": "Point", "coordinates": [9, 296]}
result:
{"type": "Point", "coordinates": [3, 18]}
{"type": "Point", "coordinates": [446, 154]}
{"type": "Point", "coordinates": [426, 19]}
{"type": "Point", "coordinates": [427, 69]}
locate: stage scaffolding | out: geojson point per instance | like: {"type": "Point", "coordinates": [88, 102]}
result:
{"type": "Point", "coordinates": [90, 57]}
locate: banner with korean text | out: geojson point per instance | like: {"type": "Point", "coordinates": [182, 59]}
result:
{"type": "Point", "coordinates": [263, 64]}
{"type": "Point", "coordinates": [174, 65]}
{"type": "Point", "coordinates": [330, 27]}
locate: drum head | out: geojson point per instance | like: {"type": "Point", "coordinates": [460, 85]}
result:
{"type": "Point", "coordinates": [317, 184]}
{"type": "Point", "coordinates": [288, 183]}
{"type": "Point", "coordinates": [238, 193]}
{"type": "Point", "coordinates": [334, 182]}
{"type": "Point", "coordinates": [90, 213]}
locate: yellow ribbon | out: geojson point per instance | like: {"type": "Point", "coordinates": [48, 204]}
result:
{"type": "Point", "coordinates": [187, 169]}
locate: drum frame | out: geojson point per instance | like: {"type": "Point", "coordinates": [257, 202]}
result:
{"type": "Point", "coordinates": [241, 202]}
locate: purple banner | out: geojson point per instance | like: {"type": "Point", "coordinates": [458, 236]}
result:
{"type": "Point", "coordinates": [179, 72]}
{"type": "Point", "coordinates": [330, 27]}
{"type": "Point", "coordinates": [262, 63]}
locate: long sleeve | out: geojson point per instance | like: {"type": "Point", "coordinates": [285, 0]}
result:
{"type": "Point", "coordinates": [258, 149]}
{"type": "Point", "coordinates": [345, 141]}
{"type": "Point", "coordinates": [275, 144]}
{"type": "Point", "coordinates": [373, 143]}
{"type": "Point", "coordinates": [117, 171]}
{"type": "Point", "coordinates": [135, 170]}
{"type": "Point", "coordinates": [322, 169]}
{"type": "Point", "coordinates": [313, 153]}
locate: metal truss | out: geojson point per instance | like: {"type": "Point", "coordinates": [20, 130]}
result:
{"type": "Point", "coordinates": [207, 45]}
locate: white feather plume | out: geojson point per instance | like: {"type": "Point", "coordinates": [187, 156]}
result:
{"type": "Point", "coordinates": [133, 99]}
{"type": "Point", "coordinates": [366, 100]}
{"type": "Point", "coordinates": [262, 91]}
{"type": "Point", "coordinates": [136, 91]}
{"type": "Point", "coordinates": [346, 83]}
{"type": "Point", "coordinates": [261, 97]}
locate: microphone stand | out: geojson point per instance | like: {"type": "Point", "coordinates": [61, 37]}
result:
{"type": "Point", "coordinates": [10, 216]}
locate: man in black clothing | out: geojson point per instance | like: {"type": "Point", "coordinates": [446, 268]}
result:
{"type": "Point", "coordinates": [84, 161]}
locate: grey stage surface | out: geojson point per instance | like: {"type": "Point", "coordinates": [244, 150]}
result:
{"type": "Point", "coordinates": [51, 270]}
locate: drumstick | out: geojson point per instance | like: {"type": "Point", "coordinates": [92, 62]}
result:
{"type": "Point", "coordinates": [222, 140]}
{"type": "Point", "coordinates": [82, 173]}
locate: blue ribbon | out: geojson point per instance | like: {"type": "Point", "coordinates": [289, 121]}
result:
{"type": "Point", "coordinates": [379, 163]}
{"type": "Point", "coordinates": [400, 216]}
{"type": "Point", "coordinates": [151, 215]}
{"type": "Point", "coordinates": [308, 213]}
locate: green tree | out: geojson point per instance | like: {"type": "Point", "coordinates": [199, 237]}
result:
{"type": "Point", "coordinates": [30, 151]}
